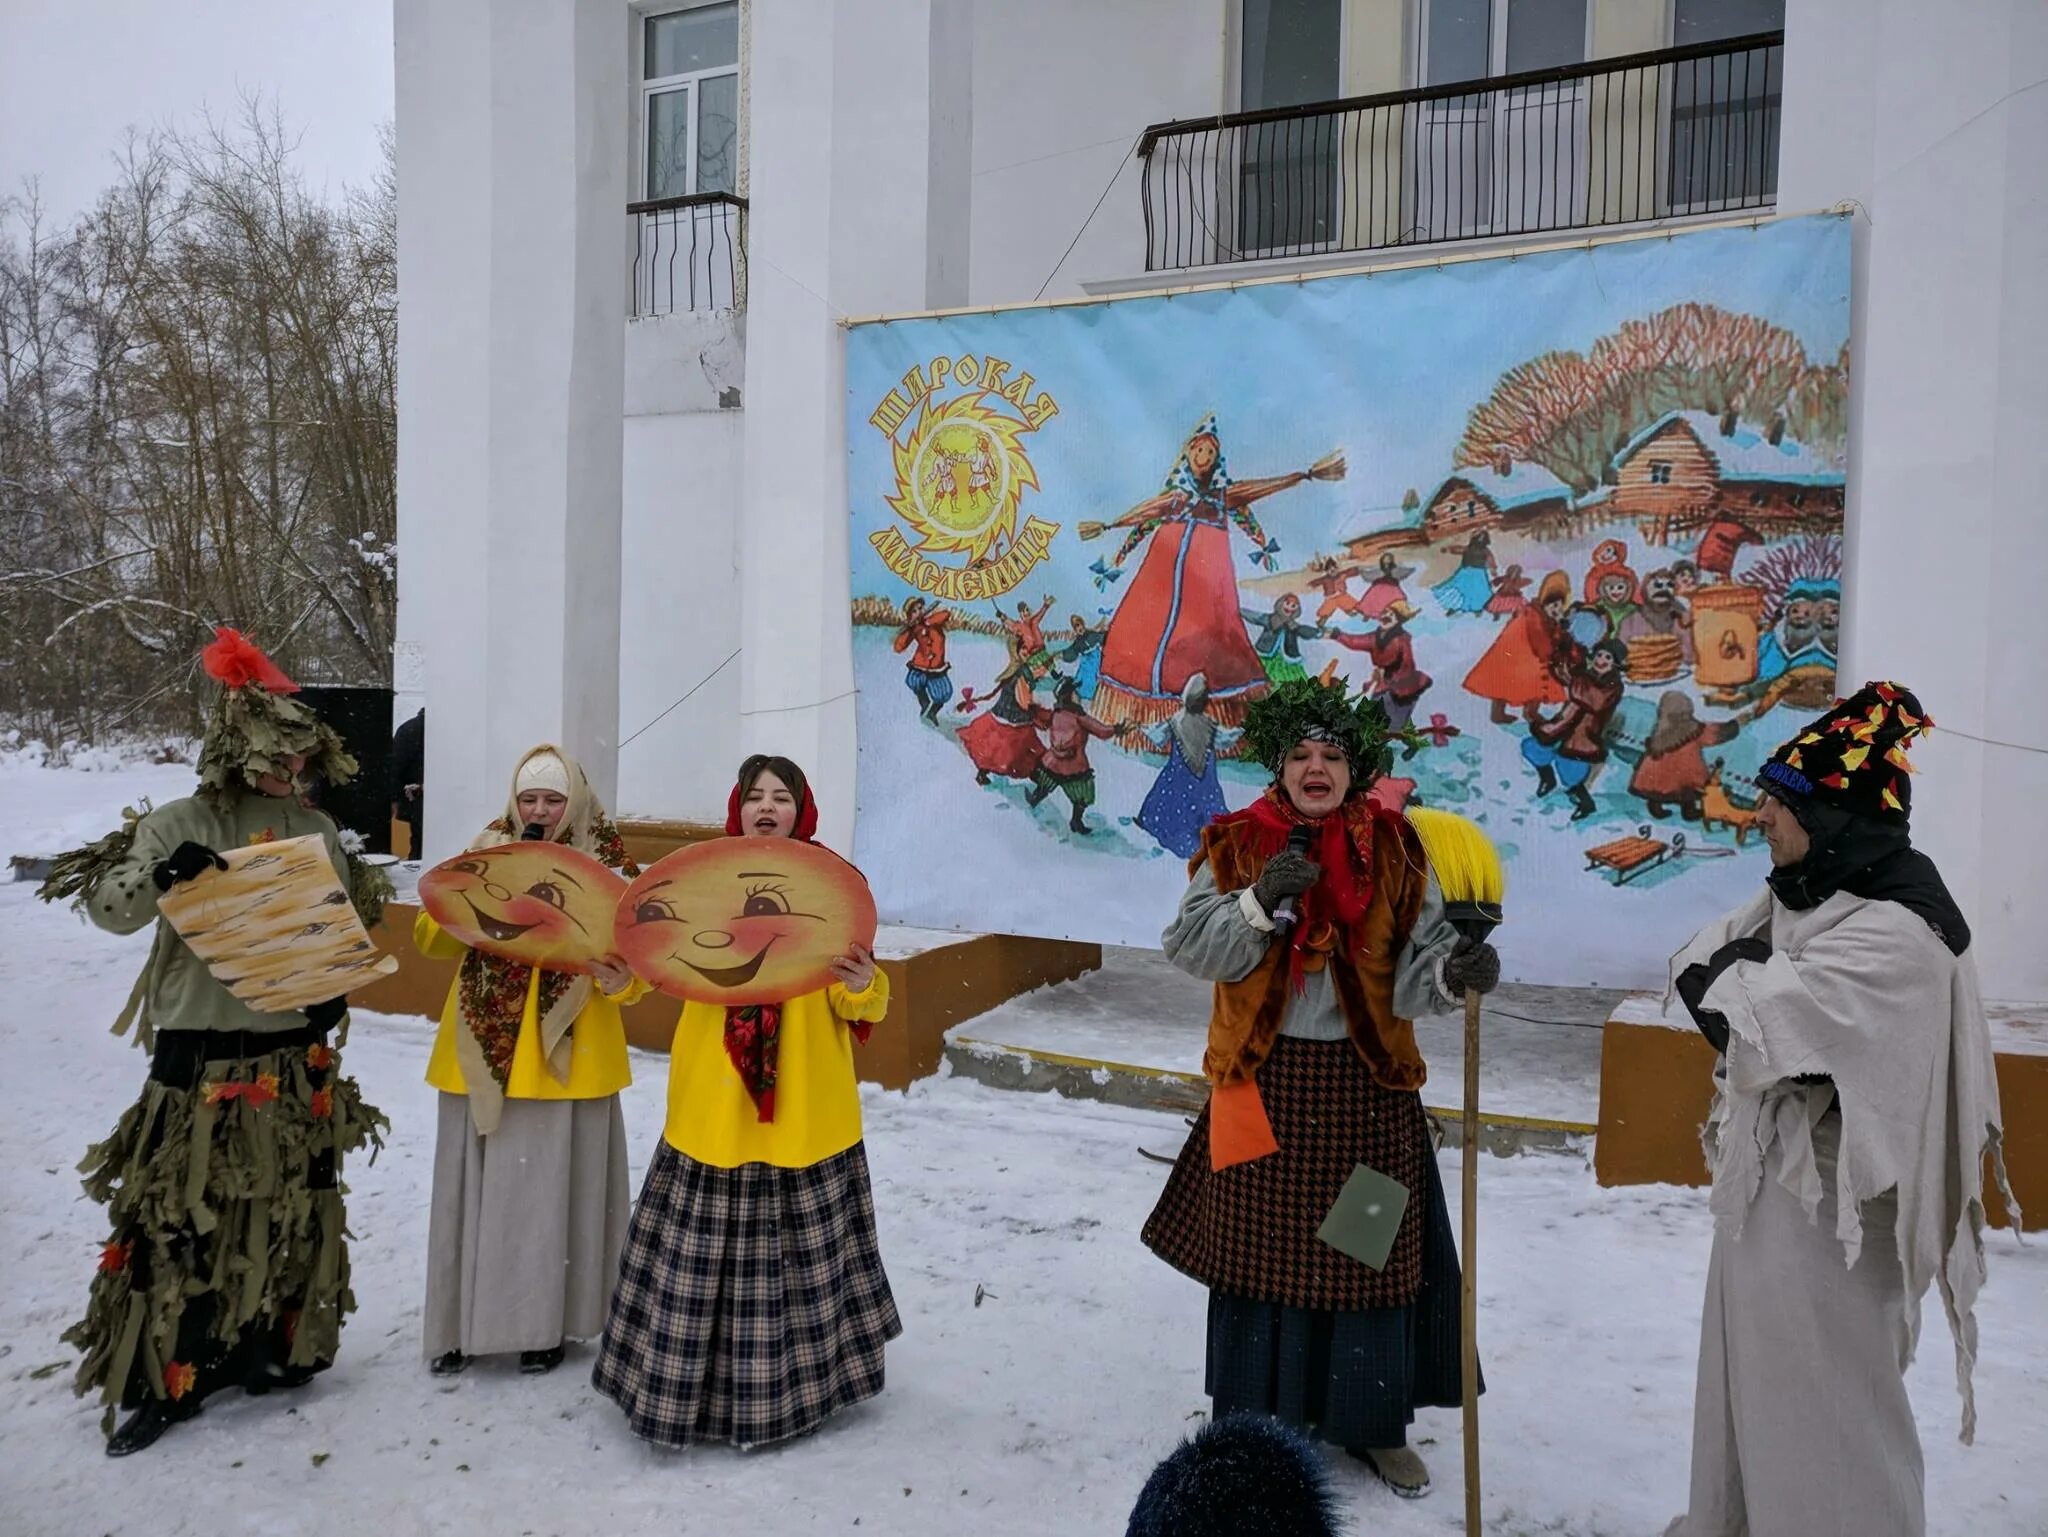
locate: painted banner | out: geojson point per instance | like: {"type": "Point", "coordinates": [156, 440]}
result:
{"type": "Point", "coordinates": [1576, 515]}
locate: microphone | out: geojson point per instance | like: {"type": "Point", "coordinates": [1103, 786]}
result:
{"type": "Point", "coordinates": [535, 833]}
{"type": "Point", "coordinates": [1297, 842]}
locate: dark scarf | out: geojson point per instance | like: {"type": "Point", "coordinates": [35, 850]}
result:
{"type": "Point", "coordinates": [753, 1031]}
{"type": "Point", "coordinates": [1335, 906]}
{"type": "Point", "coordinates": [1869, 859]}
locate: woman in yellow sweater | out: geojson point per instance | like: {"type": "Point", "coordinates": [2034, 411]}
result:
{"type": "Point", "coordinates": [531, 1195]}
{"type": "Point", "coordinates": [752, 1303]}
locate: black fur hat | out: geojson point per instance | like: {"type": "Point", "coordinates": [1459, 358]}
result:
{"type": "Point", "coordinates": [1243, 1473]}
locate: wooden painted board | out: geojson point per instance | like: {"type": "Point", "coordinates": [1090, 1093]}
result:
{"type": "Point", "coordinates": [538, 903]}
{"type": "Point", "coordinates": [276, 927]}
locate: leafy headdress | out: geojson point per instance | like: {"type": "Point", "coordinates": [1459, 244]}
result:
{"type": "Point", "coordinates": [1306, 709]}
{"type": "Point", "coordinates": [256, 725]}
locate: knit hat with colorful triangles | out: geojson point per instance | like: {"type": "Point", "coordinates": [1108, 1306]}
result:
{"type": "Point", "coordinates": [1854, 757]}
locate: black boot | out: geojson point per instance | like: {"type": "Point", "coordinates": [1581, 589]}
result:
{"type": "Point", "coordinates": [536, 1362]}
{"type": "Point", "coordinates": [448, 1364]}
{"type": "Point", "coordinates": [981, 776]}
{"type": "Point", "coordinates": [1582, 801]}
{"type": "Point", "coordinates": [1691, 808]}
{"type": "Point", "coordinates": [146, 1425]}
{"type": "Point", "coordinates": [1080, 824]}
{"type": "Point", "coordinates": [1659, 810]}
{"type": "Point", "coordinates": [1546, 780]}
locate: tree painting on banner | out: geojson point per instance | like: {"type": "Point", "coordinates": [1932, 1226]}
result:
{"type": "Point", "coordinates": [1575, 517]}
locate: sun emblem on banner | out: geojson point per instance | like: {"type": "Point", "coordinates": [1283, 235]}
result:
{"type": "Point", "coordinates": [961, 475]}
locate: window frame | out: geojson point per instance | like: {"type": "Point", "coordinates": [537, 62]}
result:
{"type": "Point", "coordinates": [688, 83]}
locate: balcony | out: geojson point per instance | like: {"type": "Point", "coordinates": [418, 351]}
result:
{"type": "Point", "coordinates": [1676, 133]}
{"type": "Point", "coordinates": [689, 254]}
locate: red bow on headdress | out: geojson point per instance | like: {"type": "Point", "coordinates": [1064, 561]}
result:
{"type": "Point", "coordinates": [236, 661]}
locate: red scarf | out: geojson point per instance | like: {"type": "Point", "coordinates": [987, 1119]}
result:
{"type": "Point", "coordinates": [1335, 906]}
{"type": "Point", "coordinates": [753, 1031]}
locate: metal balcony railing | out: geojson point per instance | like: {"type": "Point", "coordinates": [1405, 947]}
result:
{"type": "Point", "coordinates": [689, 253]}
{"type": "Point", "coordinates": [1680, 131]}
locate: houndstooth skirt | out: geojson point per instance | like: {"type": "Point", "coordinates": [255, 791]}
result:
{"type": "Point", "coordinates": [1250, 1230]}
{"type": "Point", "coordinates": [751, 1303]}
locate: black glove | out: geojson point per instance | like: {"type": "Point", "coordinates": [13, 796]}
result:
{"type": "Point", "coordinates": [186, 861]}
{"type": "Point", "coordinates": [1473, 966]}
{"type": "Point", "coordinates": [1287, 874]}
{"type": "Point", "coordinates": [1694, 981]}
{"type": "Point", "coordinates": [326, 1015]}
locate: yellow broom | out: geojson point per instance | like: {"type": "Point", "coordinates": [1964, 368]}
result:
{"type": "Point", "coordinates": [1467, 870]}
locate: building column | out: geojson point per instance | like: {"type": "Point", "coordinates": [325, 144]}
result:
{"type": "Point", "coordinates": [1936, 130]}
{"type": "Point", "coordinates": [858, 189]}
{"type": "Point", "coordinates": [512, 189]}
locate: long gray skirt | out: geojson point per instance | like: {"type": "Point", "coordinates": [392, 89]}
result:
{"type": "Point", "coordinates": [1801, 1425]}
{"type": "Point", "coordinates": [526, 1226]}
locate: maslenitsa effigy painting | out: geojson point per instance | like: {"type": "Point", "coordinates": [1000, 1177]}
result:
{"type": "Point", "coordinates": [1575, 519]}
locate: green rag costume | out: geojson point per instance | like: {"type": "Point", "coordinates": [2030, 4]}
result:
{"type": "Point", "coordinates": [227, 1259]}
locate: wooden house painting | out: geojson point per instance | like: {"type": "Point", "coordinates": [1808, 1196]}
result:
{"type": "Point", "coordinates": [1689, 467]}
{"type": "Point", "coordinates": [1505, 496]}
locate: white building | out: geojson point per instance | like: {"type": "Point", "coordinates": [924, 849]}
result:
{"type": "Point", "coordinates": [622, 460]}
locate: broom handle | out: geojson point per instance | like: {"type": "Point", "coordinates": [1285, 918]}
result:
{"type": "Point", "coordinates": [1468, 1334]}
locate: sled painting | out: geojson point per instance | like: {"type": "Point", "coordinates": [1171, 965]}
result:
{"type": "Point", "coordinates": [1574, 518]}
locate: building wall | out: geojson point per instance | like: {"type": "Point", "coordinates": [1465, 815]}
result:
{"type": "Point", "coordinates": [1055, 121]}
{"type": "Point", "coordinates": [1936, 133]}
{"type": "Point", "coordinates": [679, 604]}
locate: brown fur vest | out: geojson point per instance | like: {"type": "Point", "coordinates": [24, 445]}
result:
{"type": "Point", "coordinates": [1246, 1016]}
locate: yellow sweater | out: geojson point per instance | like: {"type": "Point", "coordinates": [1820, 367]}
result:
{"type": "Point", "coordinates": [711, 1117]}
{"type": "Point", "coordinates": [597, 1040]}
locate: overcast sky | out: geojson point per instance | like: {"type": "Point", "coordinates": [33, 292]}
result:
{"type": "Point", "coordinates": [74, 77]}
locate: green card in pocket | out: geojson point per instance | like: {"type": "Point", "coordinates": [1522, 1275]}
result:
{"type": "Point", "coordinates": [1366, 1217]}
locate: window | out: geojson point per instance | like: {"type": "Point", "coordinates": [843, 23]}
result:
{"type": "Point", "coordinates": [1725, 109]}
{"type": "Point", "coordinates": [690, 100]}
{"type": "Point", "coordinates": [1660, 472]}
{"type": "Point", "coordinates": [1287, 56]}
{"type": "Point", "coordinates": [1475, 39]}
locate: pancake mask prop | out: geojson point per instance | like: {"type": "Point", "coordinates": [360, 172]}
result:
{"type": "Point", "coordinates": [744, 920]}
{"type": "Point", "coordinates": [542, 904]}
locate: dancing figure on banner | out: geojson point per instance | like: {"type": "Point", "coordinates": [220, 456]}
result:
{"type": "Point", "coordinates": [226, 1262]}
{"type": "Point", "coordinates": [1181, 614]}
{"type": "Point", "coordinates": [1280, 633]}
{"type": "Point", "coordinates": [1003, 740]}
{"type": "Point", "coordinates": [1470, 587]}
{"type": "Point", "coordinates": [1307, 1197]}
{"type": "Point", "coordinates": [927, 675]}
{"type": "Point", "coordinates": [1855, 1114]}
{"type": "Point", "coordinates": [1397, 683]}
{"type": "Point", "coordinates": [1188, 794]}
{"type": "Point", "coordinates": [1519, 668]}
{"type": "Point", "coordinates": [531, 1189]}
{"type": "Point", "coordinates": [1385, 588]}
{"type": "Point", "coordinates": [1063, 764]}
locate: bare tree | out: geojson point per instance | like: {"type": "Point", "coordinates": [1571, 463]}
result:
{"type": "Point", "coordinates": [197, 426]}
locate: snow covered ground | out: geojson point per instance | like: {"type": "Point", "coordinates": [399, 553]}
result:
{"type": "Point", "coordinates": [1039, 1411]}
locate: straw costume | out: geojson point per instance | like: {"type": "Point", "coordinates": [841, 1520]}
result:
{"type": "Point", "coordinates": [226, 1263]}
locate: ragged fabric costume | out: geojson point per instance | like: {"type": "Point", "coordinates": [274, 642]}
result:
{"type": "Point", "coordinates": [1854, 1110]}
{"type": "Point", "coordinates": [226, 1258]}
{"type": "Point", "coordinates": [1317, 1024]}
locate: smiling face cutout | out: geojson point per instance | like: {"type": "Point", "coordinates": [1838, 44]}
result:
{"type": "Point", "coordinates": [744, 920]}
{"type": "Point", "coordinates": [545, 904]}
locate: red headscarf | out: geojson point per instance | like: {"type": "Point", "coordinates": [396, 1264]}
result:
{"type": "Point", "coordinates": [1335, 906]}
{"type": "Point", "coordinates": [753, 1031]}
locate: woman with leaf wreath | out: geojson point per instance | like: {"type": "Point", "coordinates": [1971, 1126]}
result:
{"type": "Point", "coordinates": [1322, 956]}
{"type": "Point", "coordinates": [227, 1263]}
{"type": "Point", "coordinates": [531, 1190]}
{"type": "Point", "coordinates": [1181, 614]}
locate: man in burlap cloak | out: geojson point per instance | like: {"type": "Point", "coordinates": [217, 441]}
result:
{"type": "Point", "coordinates": [1855, 1104]}
{"type": "Point", "coordinates": [1313, 1070]}
{"type": "Point", "coordinates": [227, 1260]}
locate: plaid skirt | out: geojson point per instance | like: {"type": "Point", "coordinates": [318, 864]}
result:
{"type": "Point", "coordinates": [1250, 1230]}
{"type": "Point", "coordinates": [751, 1302]}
